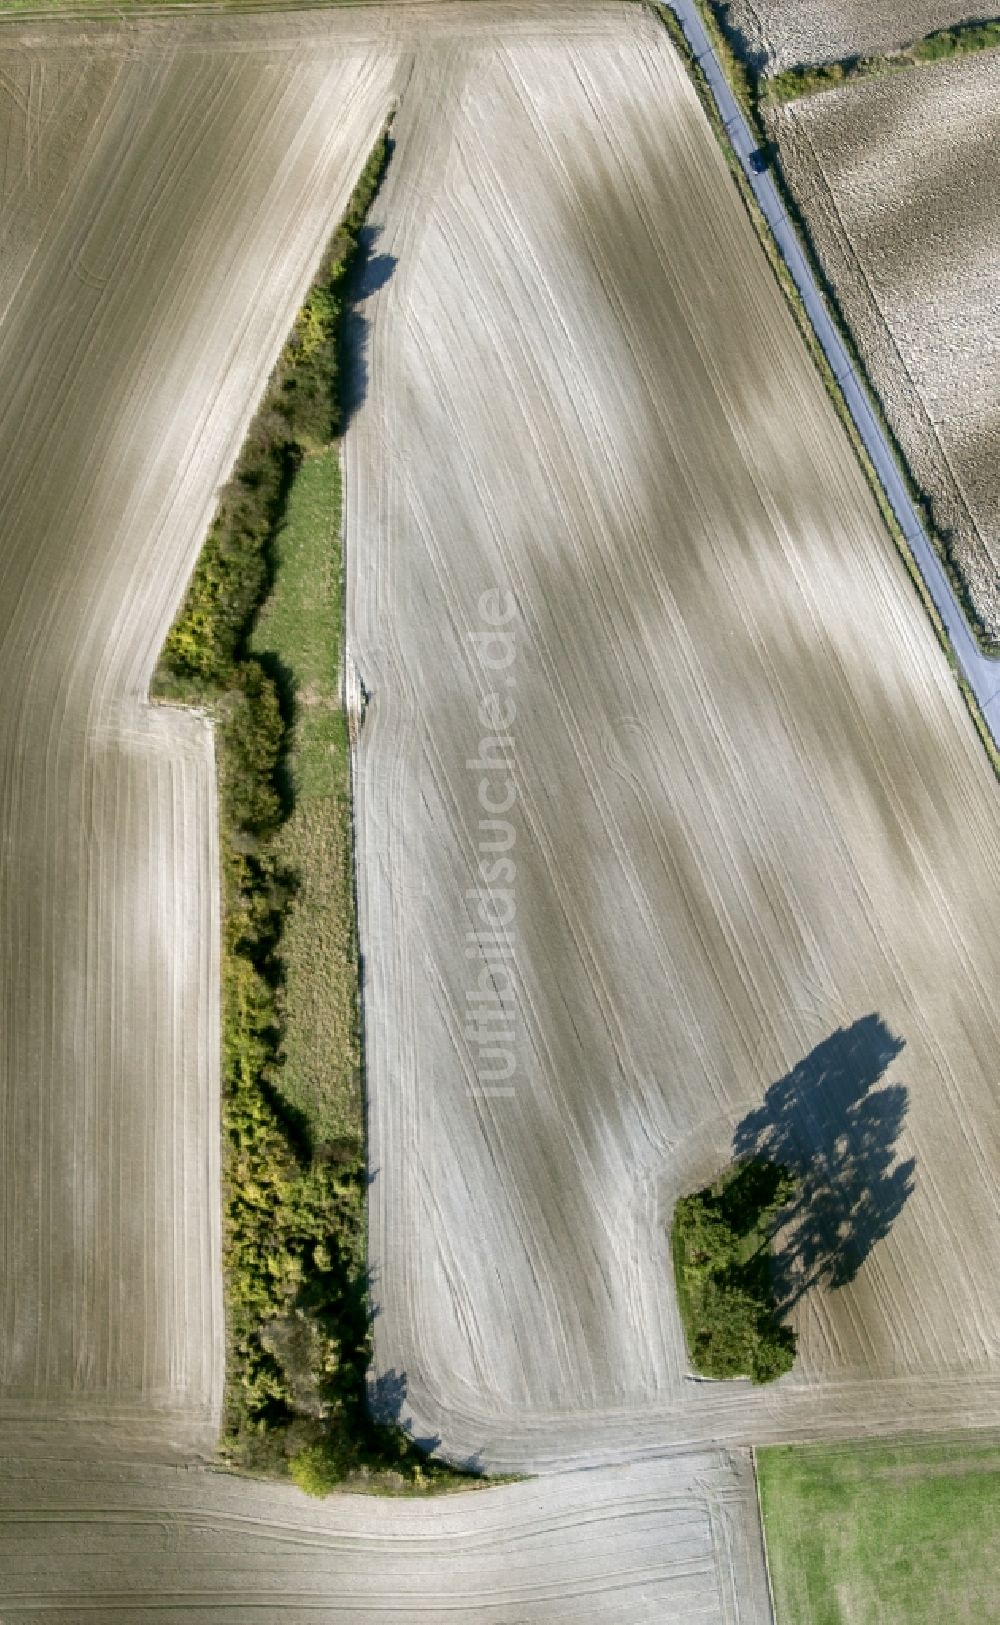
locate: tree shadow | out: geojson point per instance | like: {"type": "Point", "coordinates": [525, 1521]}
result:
{"type": "Point", "coordinates": [369, 272]}
{"type": "Point", "coordinates": [828, 1123]}
{"type": "Point", "coordinates": [386, 1399]}
{"type": "Point", "coordinates": [736, 37]}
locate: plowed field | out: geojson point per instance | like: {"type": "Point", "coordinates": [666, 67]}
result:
{"type": "Point", "coordinates": [161, 213]}
{"type": "Point", "coordinates": [674, 833]}
{"type": "Point", "coordinates": [674, 1539]}
{"type": "Point", "coordinates": [789, 33]}
{"type": "Point", "coordinates": [899, 182]}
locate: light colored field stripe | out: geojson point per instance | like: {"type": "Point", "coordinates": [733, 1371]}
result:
{"type": "Point", "coordinates": [668, 1540]}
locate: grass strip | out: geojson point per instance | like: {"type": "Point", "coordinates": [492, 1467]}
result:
{"type": "Point", "coordinates": [256, 643]}
{"type": "Point", "coordinates": [297, 638]}
{"type": "Point", "coordinates": [720, 1242]}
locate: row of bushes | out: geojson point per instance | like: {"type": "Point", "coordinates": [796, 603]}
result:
{"type": "Point", "coordinates": [298, 1333]}
{"type": "Point", "coordinates": [722, 1264]}
{"type": "Point", "coordinates": [957, 41]}
{"type": "Point", "coordinates": [302, 410]}
{"type": "Point", "coordinates": [945, 42]}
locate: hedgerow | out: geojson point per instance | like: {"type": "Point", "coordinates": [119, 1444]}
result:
{"type": "Point", "coordinates": [298, 1326]}
{"type": "Point", "coordinates": [960, 40]}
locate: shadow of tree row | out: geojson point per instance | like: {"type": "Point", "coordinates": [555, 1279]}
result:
{"type": "Point", "coordinates": [833, 1123]}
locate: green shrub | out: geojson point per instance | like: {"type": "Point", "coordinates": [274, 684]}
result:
{"type": "Point", "coordinates": [722, 1266]}
{"type": "Point", "coordinates": [964, 37]}
{"type": "Point", "coordinates": [298, 1324]}
{"type": "Point", "coordinates": [319, 1468]}
{"type": "Point", "coordinates": [253, 733]}
{"type": "Point", "coordinates": [946, 42]}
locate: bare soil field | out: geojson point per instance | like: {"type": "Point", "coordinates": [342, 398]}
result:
{"type": "Point", "coordinates": [791, 33]}
{"type": "Point", "coordinates": [673, 1539]}
{"type": "Point", "coordinates": [737, 886]}
{"type": "Point", "coordinates": [899, 182]}
{"type": "Point", "coordinates": [162, 213]}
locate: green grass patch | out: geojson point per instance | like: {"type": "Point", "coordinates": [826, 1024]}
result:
{"type": "Point", "coordinates": [958, 41]}
{"type": "Point", "coordinates": [298, 636]}
{"type": "Point", "coordinates": [720, 1240]}
{"type": "Point", "coordinates": [889, 1534]}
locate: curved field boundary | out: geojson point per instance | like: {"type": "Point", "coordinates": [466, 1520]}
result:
{"type": "Point", "coordinates": [671, 1539]}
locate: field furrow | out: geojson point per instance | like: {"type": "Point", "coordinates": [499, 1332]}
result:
{"type": "Point", "coordinates": [158, 248]}
{"type": "Point", "coordinates": [671, 1539]}
{"type": "Point", "coordinates": [898, 180]}
{"type": "Point", "coordinates": [674, 834]}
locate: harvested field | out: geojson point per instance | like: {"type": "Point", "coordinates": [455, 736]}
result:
{"type": "Point", "coordinates": [753, 841]}
{"type": "Point", "coordinates": [781, 34]}
{"type": "Point", "coordinates": [162, 213]}
{"type": "Point", "coordinates": [674, 1539]}
{"type": "Point", "coordinates": [902, 1533]}
{"type": "Point", "coordinates": [899, 183]}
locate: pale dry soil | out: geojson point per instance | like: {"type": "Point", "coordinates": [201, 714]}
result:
{"type": "Point", "coordinates": [791, 33]}
{"type": "Point", "coordinates": [750, 811]}
{"type": "Point", "coordinates": [161, 215]}
{"type": "Point", "coordinates": [674, 1539]}
{"type": "Point", "coordinates": [754, 836]}
{"type": "Point", "coordinates": [166, 195]}
{"type": "Point", "coordinates": [899, 183]}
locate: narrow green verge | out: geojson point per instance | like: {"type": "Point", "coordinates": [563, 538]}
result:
{"type": "Point", "coordinates": [720, 1241]}
{"type": "Point", "coordinates": [257, 644]}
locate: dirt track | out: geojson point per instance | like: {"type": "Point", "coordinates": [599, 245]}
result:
{"type": "Point", "coordinates": [161, 218]}
{"type": "Point", "coordinates": [673, 1539]}
{"type": "Point", "coordinates": [753, 833]}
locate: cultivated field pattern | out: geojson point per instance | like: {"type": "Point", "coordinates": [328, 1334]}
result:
{"type": "Point", "coordinates": [161, 216]}
{"type": "Point", "coordinates": [676, 1539]}
{"type": "Point", "coordinates": [789, 33]}
{"type": "Point", "coordinates": [899, 181]}
{"type": "Point", "coordinates": [601, 521]}
{"type": "Point", "coordinates": [754, 837]}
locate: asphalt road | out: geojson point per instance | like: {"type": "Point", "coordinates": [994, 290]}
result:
{"type": "Point", "coordinates": [982, 672]}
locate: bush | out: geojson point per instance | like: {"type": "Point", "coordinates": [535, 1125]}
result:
{"type": "Point", "coordinates": [253, 736]}
{"type": "Point", "coordinates": [722, 1264]}
{"type": "Point", "coordinates": [319, 1468]}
